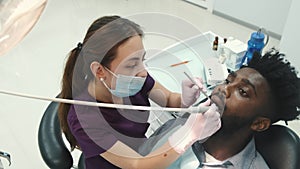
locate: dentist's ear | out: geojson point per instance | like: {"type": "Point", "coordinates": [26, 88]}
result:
{"type": "Point", "coordinates": [97, 70]}
{"type": "Point", "coordinates": [261, 124]}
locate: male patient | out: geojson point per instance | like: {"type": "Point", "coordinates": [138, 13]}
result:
{"type": "Point", "coordinates": [257, 95]}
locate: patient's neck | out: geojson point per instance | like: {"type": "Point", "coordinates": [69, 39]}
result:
{"type": "Point", "coordinates": [224, 145]}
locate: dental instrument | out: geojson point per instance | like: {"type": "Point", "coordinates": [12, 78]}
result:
{"type": "Point", "coordinates": [191, 109]}
{"type": "Point", "coordinates": [192, 80]}
{"type": "Point", "coordinates": [180, 63]}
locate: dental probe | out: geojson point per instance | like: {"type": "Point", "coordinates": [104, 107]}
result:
{"type": "Point", "coordinates": [191, 79]}
{"type": "Point", "coordinates": [198, 109]}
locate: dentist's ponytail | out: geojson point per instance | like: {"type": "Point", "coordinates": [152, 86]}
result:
{"type": "Point", "coordinates": [66, 93]}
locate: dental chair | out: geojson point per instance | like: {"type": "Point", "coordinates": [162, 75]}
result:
{"type": "Point", "coordinates": [52, 147]}
{"type": "Point", "coordinates": [280, 147]}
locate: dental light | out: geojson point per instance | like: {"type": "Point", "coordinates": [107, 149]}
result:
{"type": "Point", "coordinates": [17, 17]}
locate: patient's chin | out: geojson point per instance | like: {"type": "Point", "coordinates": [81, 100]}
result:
{"type": "Point", "coordinates": [232, 124]}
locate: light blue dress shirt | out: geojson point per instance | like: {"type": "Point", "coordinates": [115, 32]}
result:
{"type": "Point", "coordinates": [248, 158]}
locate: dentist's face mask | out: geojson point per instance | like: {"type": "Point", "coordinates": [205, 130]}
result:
{"type": "Point", "coordinates": [125, 85]}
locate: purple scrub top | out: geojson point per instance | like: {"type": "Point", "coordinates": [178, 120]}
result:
{"type": "Point", "coordinates": [98, 129]}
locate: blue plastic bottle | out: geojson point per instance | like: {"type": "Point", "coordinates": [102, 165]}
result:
{"type": "Point", "coordinates": [256, 43]}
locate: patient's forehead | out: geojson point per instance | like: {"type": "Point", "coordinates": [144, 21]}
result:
{"type": "Point", "coordinates": [254, 77]}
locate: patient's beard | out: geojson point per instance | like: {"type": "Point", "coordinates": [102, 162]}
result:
{"type": "Point", "coordinates": [233, 124]}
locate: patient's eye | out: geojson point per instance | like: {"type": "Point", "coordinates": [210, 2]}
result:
{"type": "Point", "coordinates": [243, 92]}
{"type": "Point", "coordinates": [226, 81]}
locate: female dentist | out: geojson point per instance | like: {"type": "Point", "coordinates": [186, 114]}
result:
{"type": "Point", "coordinates": [108, 68]}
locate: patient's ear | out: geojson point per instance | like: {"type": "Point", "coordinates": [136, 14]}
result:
{"type": "Point", "coordinates": [261, 124]}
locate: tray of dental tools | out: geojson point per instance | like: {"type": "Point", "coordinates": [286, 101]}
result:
{"type": "Point", "coordinates": [168, 66]}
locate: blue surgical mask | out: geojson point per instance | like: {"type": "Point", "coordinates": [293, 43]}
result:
{"type": "Point", "coordinates": [125, 85]}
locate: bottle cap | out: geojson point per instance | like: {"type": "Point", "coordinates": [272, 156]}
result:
{"type": "Point", "coordinates": [257, 36]}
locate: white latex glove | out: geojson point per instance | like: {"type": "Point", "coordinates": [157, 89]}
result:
{"type": "Point", "coordinates": [197, 127]}
{"type": "Point", "coordinates": [190, 91]}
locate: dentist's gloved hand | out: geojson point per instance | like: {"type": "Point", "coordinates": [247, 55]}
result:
{"type": "Point", "coordinates": [190, 91]}
{"type": "Point", "coordinates": [198, 126]}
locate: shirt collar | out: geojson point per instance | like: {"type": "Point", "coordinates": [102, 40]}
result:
{"type": "Point", "coordinates": [241, 160]}
{"type": "Point", "coordinates": [244, 158]}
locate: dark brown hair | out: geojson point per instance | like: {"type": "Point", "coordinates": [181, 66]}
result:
{"type": "Point", "coordinates": [100, 44]}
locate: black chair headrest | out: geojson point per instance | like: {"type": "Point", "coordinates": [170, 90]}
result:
{"type": "Point", "coordinates": [279, 146]}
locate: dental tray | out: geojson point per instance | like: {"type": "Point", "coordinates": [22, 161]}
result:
{"type": "Point", "coordinates": [168, 66]}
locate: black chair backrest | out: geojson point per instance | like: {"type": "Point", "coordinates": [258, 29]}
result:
{"type": "Point", "coordinates": [52, 147]}
{"type": "Point", "coordinates": [280, 147]}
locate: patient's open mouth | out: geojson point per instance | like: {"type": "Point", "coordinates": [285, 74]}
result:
{"type": "Point", "coordinates": [219, 99]}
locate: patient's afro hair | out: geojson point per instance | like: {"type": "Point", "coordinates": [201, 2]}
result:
{"type": "Point", "coordinates": [283, 80]}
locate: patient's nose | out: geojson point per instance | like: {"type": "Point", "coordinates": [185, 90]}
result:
{"type": "Point", "coordinates": [225, 89]}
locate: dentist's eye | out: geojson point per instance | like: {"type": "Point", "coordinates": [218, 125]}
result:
{"type": "Point", "coordinates": [131, 66]}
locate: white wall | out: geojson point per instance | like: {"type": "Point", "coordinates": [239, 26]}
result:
{"type": "Point", "coordinates": [291, 36]}
{"type": "Point", "coordinates": [289, 42]}
{"type": "Point", "coordinates": [267, 13]}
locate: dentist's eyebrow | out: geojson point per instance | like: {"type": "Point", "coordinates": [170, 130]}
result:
{"type": "Point", "coordinates": [137, 57]}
